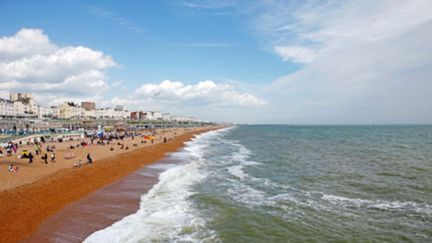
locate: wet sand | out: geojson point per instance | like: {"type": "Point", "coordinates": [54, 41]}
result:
{"type": "Point", "coordinates": [98, 210]}
{"type": "Point", "coordinates": [24, 208]}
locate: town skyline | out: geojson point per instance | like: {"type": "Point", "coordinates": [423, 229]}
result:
{"type": "Point", "coordinates": [23, 105]}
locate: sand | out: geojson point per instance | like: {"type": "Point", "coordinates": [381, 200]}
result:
{"type": "Point", "coordinates": [38, 170]}
{"type": "Point", "coordinates": [38, 191]}
{"type": "Point", "coordinates": [99, 209]}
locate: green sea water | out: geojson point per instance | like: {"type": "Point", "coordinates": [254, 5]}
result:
{"type": "Point", "coordinates": [291, 184]}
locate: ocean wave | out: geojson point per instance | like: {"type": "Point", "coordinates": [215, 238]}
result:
{"type": "Point", "coordinates": [246, 195]}
{"type": "Point", "coordinates": [237, 170]}
{"type": "Point", "coordinates": [421, 208]}
{"type": "Point", "coordinates": [322, 201]}
{"type": "Point", "coordinates": [251, 196]}
{"type": "Point", "coordinates": [165, 212]}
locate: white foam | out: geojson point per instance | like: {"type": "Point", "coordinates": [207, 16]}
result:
{"type": "Point", "coordinates": [161, 166]}
{"type": "Point", "coordinates": [422, 208]}
{"type": "Point", "coordinates": [237, 170]}
{"type": "Point", "coordinates": [165, 212]}
{"type": "Point", "coordinates": [242, 154]}
{"type": "Point", "coordinates": [246, 195]}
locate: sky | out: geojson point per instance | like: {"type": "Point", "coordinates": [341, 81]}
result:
{"type": "Point", "coordinates": [241, 61]}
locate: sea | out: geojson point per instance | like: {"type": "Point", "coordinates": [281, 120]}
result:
{"type": "Point", "coordinates": [281, 183]}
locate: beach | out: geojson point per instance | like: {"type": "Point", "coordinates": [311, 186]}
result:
{"type": "Point", "coordinates": [37, 191]}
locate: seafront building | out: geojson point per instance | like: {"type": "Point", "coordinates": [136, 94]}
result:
{"type": "Point", "coordinates": [18, 106]}
{"type": "Point", "coordinates": [24, 106]}
{"type": "Point", "coordinates": [166, 117]}
{"type": "Point", "coordinates": [112, 113]}
{"type": "Point", "coordinates": [27, 102]}
{"type": "Point", "coordinates": [7, 108]}
{"type": "Point", "coordinates": [70, 110]}
{"type": "Point", "coordinates": [146, 115]}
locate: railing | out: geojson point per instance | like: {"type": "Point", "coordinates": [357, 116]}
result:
{"type": "Point", "coordinates": [14, 137]}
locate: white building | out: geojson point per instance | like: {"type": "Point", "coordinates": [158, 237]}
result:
{"type": "Point", "coordinates": [30, 106]}
{"type": "Point", "coordinates": [55, 111]}
{"type": "Point", "coordinates": [125, 114]}
{"type": "Point", "coordinates": [70, 110]}
{"type": "Point", "coordinates": [49, 112]}
{"type": "Point", "coordinates": [7, 108]}
{"type": "Point", "coordinates": [103, 113]}
{"type": "Point", "coordinates": [90, 114]}
{"type": "Point", "coordinates": [19, 109]}
{"type": "Point", "coordinates": [110, 113]}
{"type": "Point", "coordinates": [153, 115]}
{"type": "Point", "coordinates": [184, 119]}
{"type": "Point", "coordinates": [166, 117]}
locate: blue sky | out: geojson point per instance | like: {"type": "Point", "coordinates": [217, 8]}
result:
{"type": "Point", "coordinates": [169, 43]}
{"type": "Point", "coordinates": [296, 62]}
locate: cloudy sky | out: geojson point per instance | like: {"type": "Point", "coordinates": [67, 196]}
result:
{"type": "Point", "coordinates": [293, 62]}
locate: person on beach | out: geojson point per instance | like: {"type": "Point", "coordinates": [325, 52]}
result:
{"type": "Point", "coordinates": [45, 158]}
{"type": "Point", "coordinates": [37, 149]}
{"type": "Point", "coordinates": [30, 157]}
{"type": "Point", "coordinates": [11, 168]}
{"type": "Point", "coordinates": [77, 164]}
{"type": "Point", "coordinates": [89, 159]}
{"type": "Point", "coordinates": [53, 157]}
{"type": "Point", "coordinates": [165, 139]}
{"type": "Point", "coordinates": [8, 151]}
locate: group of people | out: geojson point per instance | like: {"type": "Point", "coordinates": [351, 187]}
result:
{"type": "Point", "coordinates": [50, 154]}
{"type": "Point", "coordinates": [38, 150]}
{"type": "Point", "coordinates": [13, 168]}
{"type": "Point", "coordinates": [45, 157]}
{"type": "Point", "coordinates": [10, 147]}
{"type": "Point", "coordinates": [89, 161]}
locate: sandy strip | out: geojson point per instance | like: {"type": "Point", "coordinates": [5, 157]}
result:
{"type": "Point", "coordinates": [38, 170]}
{"type": "Point", "coordinates": [24, 208]}
{"type": "Point", "coordinates": [97, 210]}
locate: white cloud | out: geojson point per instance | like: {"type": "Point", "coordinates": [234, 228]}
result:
{"type": "Point", "coordinates": [366, 62]}
{"type": "Point", "coordinates": [295, 53]}
{"type": "Point", "coordinates": [205, 99]}
{"type": "Point", "coordinates": [26, 42]}
{"type": "Point", "coordinates": [30, 62]}
{"type": "Point", "coordinates": [206, 93]}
